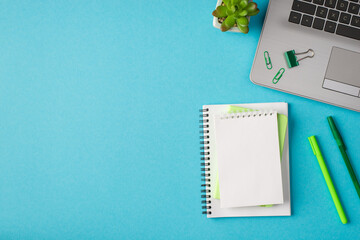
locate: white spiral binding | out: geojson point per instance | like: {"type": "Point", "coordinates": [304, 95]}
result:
{"type": "Point", "coordinates": [205, 161]}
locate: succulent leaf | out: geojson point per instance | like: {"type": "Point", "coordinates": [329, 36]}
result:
{"type": "Point", "coordinates": [242, 21]}
{"type": "Point", "coordinates": [229, 12]}
{"type": "Point", "coordinates": [237, 2]}
{"type": "Point", "coordinates": [243, 13]}
{"type": "Point", "coordinates": [228, 23]}
{"type": "Point", "coordinates": [226, 2]}
{"type": "Point", "coordinates": [220, 11]}
{"type": "Point", "coordinates": [243, 29]}
{"type": "Point", "coordinates": [251, 7]}
{"type": "Point", "coordinates": [254, 12]}
{"type": "Point", "coordinates": [243, 4]}
{"type": "Point", "coordinates": [233, 9]}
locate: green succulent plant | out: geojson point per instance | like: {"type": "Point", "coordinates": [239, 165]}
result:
{"type": "Point", "coordinates": [236, 12]}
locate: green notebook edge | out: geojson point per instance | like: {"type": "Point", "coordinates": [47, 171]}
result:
{"type": "Point", "coordinates": [282, 126]}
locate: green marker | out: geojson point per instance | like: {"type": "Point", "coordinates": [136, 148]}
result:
{"type": "Point", "coordinates": [317, 153]}
{"type": "Point", "coordinates": [342, 149]}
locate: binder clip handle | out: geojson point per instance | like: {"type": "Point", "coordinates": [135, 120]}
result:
{"type": "Point", "coordinates": [312, 54]}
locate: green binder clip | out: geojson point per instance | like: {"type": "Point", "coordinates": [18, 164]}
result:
{"type": "Point", "coordinates": [267, 60]}
{"type": "Point", "coordinates": [278, 75]}
{"type": "Point", "coordinates": [292, 60]}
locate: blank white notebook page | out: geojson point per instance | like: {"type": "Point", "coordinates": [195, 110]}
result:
{"type": "Point", "coordinates": [248, 154]}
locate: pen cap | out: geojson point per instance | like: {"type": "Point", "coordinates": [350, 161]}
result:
{"type": "Point", "coordinates": [335, 132]}
{"type": "Point", "coordinates": [314, 145]}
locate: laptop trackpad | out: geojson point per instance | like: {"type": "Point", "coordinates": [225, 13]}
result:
{"type": "Point", "coordinates": [343, 72]}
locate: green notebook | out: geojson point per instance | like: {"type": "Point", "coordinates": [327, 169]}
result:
{"type": "Point", "coordinates": [282, 125]}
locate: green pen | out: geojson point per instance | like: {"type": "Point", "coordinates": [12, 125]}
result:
{"type": "Point", "coordinates": [330, 185]}
{"type": "Point", "coordinates": [342, 149]}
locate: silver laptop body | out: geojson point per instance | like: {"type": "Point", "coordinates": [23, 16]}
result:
{"type": "Point", "coordinates": [331, 76]}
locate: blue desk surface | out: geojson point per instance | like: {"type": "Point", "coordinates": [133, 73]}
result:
{"type": "Point", "coordinates": [99, 125]}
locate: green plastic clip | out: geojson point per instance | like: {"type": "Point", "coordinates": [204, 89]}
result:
{"type": "Point", "coordinates": [292, 60]}
{"type": "Point", "coordinates": [267, 60]}
{"type": "Point", "coordinates": [278, 75]}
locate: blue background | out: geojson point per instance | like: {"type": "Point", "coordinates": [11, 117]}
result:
{"type": "Point", "coordinates": [99, 125]}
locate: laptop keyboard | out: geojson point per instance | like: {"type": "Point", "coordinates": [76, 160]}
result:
{"type": "Point", "coordinates": [333, 16]}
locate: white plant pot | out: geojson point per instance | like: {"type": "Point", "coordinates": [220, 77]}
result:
{"type": "Point", "coordinates": [218, 25]}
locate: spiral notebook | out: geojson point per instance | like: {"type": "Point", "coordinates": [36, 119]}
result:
{"type": "Point", "coordinates": [218, 141]}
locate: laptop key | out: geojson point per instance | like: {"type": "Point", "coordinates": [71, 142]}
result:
{"type": "Point", "coordinates": [342, 5]}
{"type": "Point", "coordinates": [333, 15]}
{"type": "Point", "coordinates": [354, 8]}
{"type": "Point", "coordinates": [318, 23]}
{"type": "Point", "coordinates": [304, 7]}
{"type": "Point", "coordinates": [330, 3]}
{"type": "Point", "coordinates": [330, 27]}
{"type": "Point", "coordinates": [306, 21]}
{"type": "Point", "coordinates": [355, 21]}
{"type": "Point", "coordinates": [345, 18]}
{"type": "Point", "coordinates": [320, 2]}
{"type": "Point", "coordinates": [347, 31]}
{"type": "Point", "coordinates": [321, 12]}
{"type": "Point", "coordinates": [294, 17]}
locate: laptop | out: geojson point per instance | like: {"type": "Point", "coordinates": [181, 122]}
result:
{"type": "Point", "coordinates": [327, 33]}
